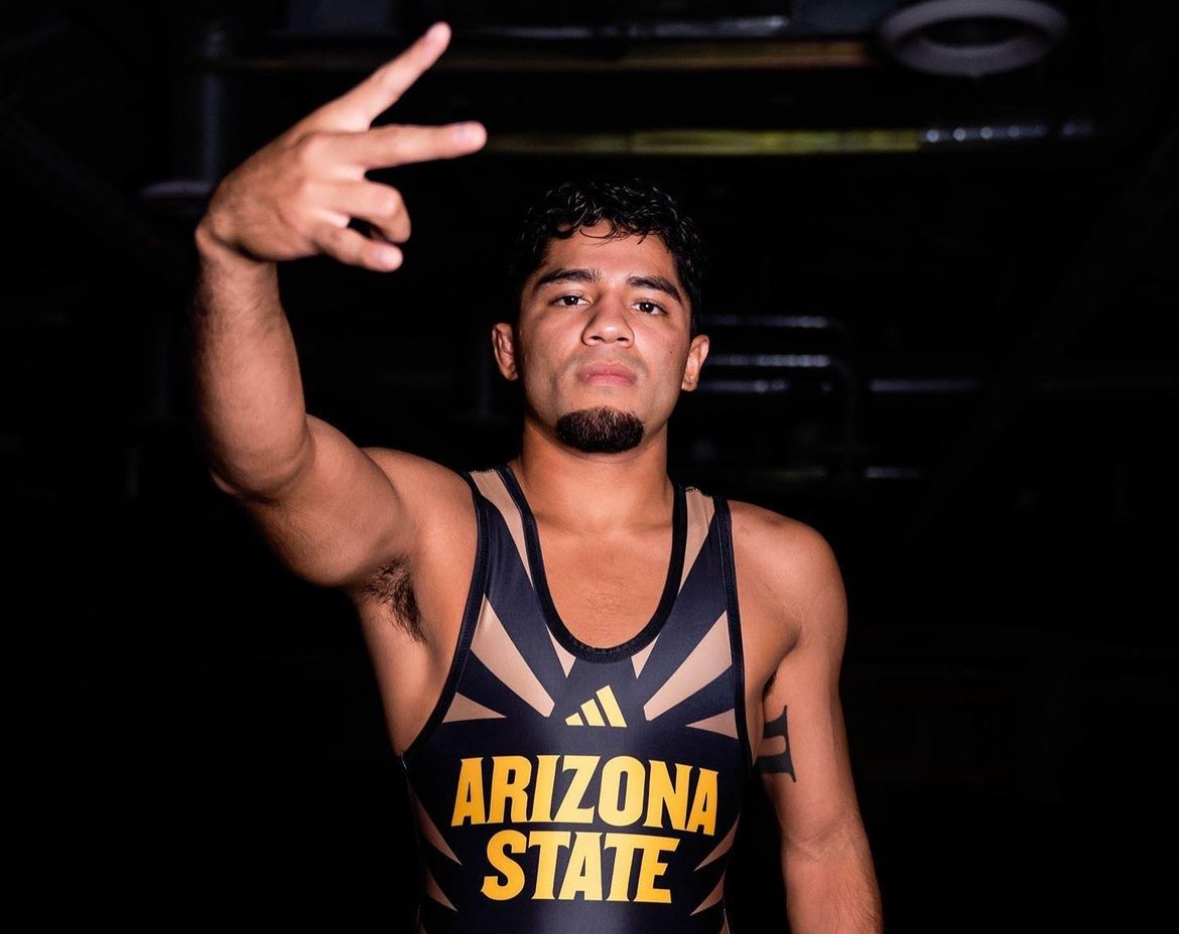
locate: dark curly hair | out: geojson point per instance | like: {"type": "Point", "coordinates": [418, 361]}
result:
{"type": "Point", "coordinates": [632, 206]}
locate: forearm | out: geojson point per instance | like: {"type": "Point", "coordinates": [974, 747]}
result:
{"type": "Point", "coordinates": [833, 889]}
{"type": "Point", "coordinates": [247, 389]}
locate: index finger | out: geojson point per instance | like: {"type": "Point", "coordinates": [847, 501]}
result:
{"type": "Point", "coordinates": [397, 144]}
{"type": "Point", "coordinates": [357, 108]}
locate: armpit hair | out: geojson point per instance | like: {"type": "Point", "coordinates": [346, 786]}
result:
{"type": "Point", "coordinates": [391, 586]}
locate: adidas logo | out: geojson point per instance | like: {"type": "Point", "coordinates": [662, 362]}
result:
{"type": "Point", "coordinates": [593, 714]}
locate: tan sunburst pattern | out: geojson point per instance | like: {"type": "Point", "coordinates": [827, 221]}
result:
{"type": "Point", "coordinates": [524, 691]}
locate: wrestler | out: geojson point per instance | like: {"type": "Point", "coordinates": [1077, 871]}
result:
{"type": "Point", "coordinates": [584, 663]}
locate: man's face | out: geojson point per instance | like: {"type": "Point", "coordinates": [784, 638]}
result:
{"type": "Point", "coordinates": [612, 303]}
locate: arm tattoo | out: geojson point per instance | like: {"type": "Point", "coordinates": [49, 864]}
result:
{"type": "Point", "coordinates": [773, 762]}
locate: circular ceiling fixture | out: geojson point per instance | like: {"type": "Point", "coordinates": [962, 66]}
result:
{"type": "Point", "coordinates": [973, 37]}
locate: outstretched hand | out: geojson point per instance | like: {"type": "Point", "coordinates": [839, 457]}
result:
{"type": "Point", "coordinates": [296, 196]}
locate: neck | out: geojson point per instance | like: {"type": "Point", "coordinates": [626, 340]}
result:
{"type": "Point", "coordinates": [595, 493]}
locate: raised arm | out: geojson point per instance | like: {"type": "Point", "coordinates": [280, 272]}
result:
{"type": "Point", "coordinates": [803, 760]}
{"type": "Point", "coordinates": [332, 511]}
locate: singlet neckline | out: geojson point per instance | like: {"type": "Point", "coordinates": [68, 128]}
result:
{"type": "Point", "coordinates": [560, 631]}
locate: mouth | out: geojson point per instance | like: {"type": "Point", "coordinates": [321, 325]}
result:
{"type": "Point", "coordinates": [609, 379]}
{"type": "Point", "coordinates": [607, 374]}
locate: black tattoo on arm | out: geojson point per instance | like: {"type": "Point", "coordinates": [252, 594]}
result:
{"type": "Point", "coordinates": [774, 762]}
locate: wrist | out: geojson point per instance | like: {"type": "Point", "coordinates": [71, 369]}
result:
{"type": "Point", "coordinates": [213, 245]}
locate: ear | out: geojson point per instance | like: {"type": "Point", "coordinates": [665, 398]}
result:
{"type": "Point", "coordinates": [697, 354]}
{"type": "Point", "coordinates": [503, 342]}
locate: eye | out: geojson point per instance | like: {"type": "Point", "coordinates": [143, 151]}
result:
{"type": "Point", "coordinates": [562, 301]}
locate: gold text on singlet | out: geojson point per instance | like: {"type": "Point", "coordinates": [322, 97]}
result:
{"type": "Point", "coordinates": [642, 795]}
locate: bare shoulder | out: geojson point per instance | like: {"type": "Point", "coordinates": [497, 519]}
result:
{"type": "Point", "coordinates": [790, 567]}
{"type": "Point", "coordinates": [426, 485]}
{"type": "Point", "coordinates": [780, 542]}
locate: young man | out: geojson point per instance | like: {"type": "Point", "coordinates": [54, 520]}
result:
{"type": "Point", "coordinates": [573, 649]}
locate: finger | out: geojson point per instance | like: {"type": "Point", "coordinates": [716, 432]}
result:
{"type": "Point", "coordinates": [380, 205]}
{"type": "Point", "coordinates": [385, 86]}
{"type": "Point", "coordinates": [397, 144]}
{"type": "Point", "coordinates": [354, 248]}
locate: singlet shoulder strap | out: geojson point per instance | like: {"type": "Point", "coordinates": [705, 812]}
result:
{"type": "Point", "coordinates": [710, 526]}
{"type": "Point", "coordinates": [701, 510]}
{"type": "Point", "coordinates": [724, 517]}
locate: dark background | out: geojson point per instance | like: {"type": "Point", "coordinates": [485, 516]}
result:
{"type": "Point", "coordinates": [951, 353]}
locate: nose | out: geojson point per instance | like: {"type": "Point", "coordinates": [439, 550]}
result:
{"type": "Point", "coordinates": [608, 323]}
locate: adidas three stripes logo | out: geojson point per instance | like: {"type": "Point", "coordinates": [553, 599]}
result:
{"type": "Point", "coordinates": [593, 713]}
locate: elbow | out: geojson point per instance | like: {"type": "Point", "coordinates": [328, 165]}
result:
{"type": "Point", "coordinates": [834, 834]}
{"type": "Point", "coordinates": [222, 484]}
{"type": "Point", "coordinates": [268, 485]}
{"type": "Point", "coordinates": [832, 887]}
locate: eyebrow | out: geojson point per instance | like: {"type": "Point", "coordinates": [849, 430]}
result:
{"type": "Point", "coordinates": [565, 274]}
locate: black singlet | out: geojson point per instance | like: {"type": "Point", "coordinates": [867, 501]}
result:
{"type": "Point", "coordinates": [561, 787]}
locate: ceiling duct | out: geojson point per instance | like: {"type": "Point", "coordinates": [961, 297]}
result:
{"type": "Point", "coordinates": [972, 37]}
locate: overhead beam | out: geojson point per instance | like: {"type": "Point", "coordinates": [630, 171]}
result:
{"type": "Point", "coordinates": [555, 58]}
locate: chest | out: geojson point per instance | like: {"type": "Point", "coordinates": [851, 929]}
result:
{"type": "Point", "coordinates": [605, 590]}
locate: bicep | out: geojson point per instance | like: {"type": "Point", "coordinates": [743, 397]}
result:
{"type": "Point", "coordinates": [803, 758]}
{"type": "Point", "coordinates": [349, 510]}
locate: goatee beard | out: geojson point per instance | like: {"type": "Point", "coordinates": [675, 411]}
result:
{"type": "Point", "coordinates": [600, 430]}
